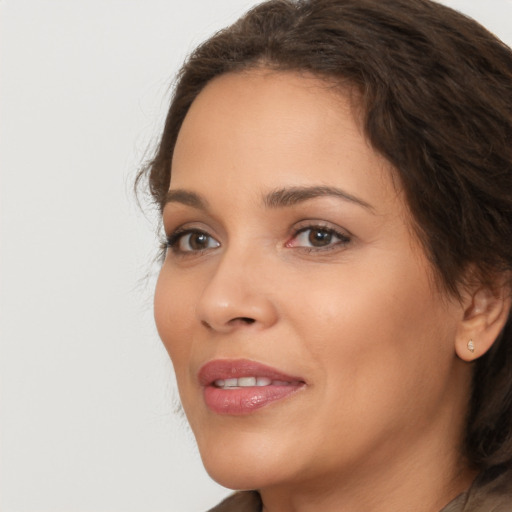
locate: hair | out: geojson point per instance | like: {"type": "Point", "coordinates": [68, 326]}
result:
{"type": "Point", "coordinates": [435, 94]}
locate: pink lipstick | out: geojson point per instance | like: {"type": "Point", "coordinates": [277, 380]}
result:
{"type": "Point", "coordinates": [241, 386]}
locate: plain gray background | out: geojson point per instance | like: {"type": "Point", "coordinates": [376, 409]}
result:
{"type": "Point", "coordinates": [88, 399]}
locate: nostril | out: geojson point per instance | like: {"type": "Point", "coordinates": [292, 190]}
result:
{"type": "Point", "coordinates": [244, 319]}
{"type": "Point", "coordinates": [238, 320]}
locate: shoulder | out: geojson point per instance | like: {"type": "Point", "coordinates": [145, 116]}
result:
{"type": "Point", "coordinates": [244, 501]}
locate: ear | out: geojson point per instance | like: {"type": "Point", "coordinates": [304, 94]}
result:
{"type": "Point", "coordinates": [486, 312]}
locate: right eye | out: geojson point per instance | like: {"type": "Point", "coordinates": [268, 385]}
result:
{"type": "Point", "coordinates": [190, 241]}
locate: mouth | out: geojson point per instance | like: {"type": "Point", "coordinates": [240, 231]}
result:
{"type": "Point", "coordinates": [238, 387]}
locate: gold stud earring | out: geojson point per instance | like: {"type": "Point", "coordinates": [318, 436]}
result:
{"type": "Point", "coordinates": [471, 346]}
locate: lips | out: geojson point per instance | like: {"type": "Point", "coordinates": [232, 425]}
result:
{"type": "Point", "coordinates": [241, 386]}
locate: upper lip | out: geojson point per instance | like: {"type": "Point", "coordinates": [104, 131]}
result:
{"type": "Point", "coordinates": [235, 368]}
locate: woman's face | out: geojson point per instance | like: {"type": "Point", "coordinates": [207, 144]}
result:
{"type": "Point", "coordinates": [297, 306]}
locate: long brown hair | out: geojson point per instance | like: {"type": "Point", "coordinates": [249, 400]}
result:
{"type": "Point", "coordinates": [435, 91]}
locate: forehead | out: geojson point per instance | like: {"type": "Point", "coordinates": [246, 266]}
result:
{"type": "Point", "coordinates": [265, 129]}
{"type": "Point", "coordinates": [283, 106]}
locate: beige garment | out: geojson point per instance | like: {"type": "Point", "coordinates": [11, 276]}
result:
{"type": "Point", "coordinates": [490, 492]}
{"type": "Point", "coordinates": [244, 501]}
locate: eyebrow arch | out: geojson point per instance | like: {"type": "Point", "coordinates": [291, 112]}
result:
{"type": "Point", "coordinates": [187, 198]}
{"type": "Point", "coordinates": [290, 196]}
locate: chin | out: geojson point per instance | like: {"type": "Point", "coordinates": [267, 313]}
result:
{"type": "Point", "coordinates": [243, 461]}
{"type": "Point", "coordinates": [238, 480]}
{"type": "Point", "coordinates": [238, 473]}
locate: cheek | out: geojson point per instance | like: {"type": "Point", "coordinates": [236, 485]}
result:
{"type": "Point", "coordinates": [378, 334]}
{"type": "Point", "coordinates": [173, 307]}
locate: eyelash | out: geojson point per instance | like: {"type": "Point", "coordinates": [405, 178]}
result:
{"type": "Point", "coordinates": [174, 239]}
{"type": "Point", "coordinates": [343, 238]}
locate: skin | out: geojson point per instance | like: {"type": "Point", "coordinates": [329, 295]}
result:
{"type": "Point", "coordinates": [378, 425]}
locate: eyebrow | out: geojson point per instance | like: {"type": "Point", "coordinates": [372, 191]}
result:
{"type": "Point", "coordinates": [187, 198]}
{"type": "Point", "coordinates": [284, 197]}
{"type": "Point", "coordinates": [280, 198]}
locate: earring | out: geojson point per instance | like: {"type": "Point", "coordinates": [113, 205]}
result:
{"type": "Point", "coordinates": [471, 346]}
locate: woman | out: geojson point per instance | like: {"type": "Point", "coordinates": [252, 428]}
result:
{"type": "Point", "coordinates": [335, 180]}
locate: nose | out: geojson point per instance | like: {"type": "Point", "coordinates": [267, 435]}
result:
{"type": "Point", "coordinates": [238, 295]}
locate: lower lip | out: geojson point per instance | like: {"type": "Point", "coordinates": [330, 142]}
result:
{"type": "Point", "coordinates": [239, 401]}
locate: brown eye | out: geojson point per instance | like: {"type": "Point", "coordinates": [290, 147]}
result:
{"type": "Point", "coordinates": [191, 241]}
{"type": "Point", "coordinates": [196, 242]}
{"type": "Point", "coordinates": [319, 237]}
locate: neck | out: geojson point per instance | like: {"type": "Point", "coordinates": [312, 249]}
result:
{"type": "Point", "coordinates": [412, 488]}
{"type": "Point", "coordinates": [423, 477]}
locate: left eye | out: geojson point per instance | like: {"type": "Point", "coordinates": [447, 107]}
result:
{"type": "Point", "coordinates": [191, 241]}
{"type": "Point", "coordinates": [318, 237]}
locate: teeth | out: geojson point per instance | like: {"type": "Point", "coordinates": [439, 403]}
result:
{"type": "Point", "coordinates": [244, 382]}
